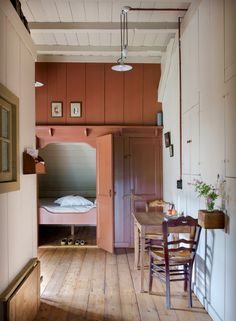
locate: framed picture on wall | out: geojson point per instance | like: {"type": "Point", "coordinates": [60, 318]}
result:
{"type": "Point", "coordinates": [167, 139]}
{"type": "Point", "coordinates": [171, 150]}
{"type": "Point", "coordinates": [56, 109]}
{"type": "Point", "coordinates": [75, 109]}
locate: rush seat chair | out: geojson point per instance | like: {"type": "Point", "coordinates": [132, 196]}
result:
{"type": "Point", "coordinates": [174, 261]}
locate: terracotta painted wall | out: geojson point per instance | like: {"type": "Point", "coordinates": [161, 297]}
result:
{"type": "Point", "coordinates": [107, 97]}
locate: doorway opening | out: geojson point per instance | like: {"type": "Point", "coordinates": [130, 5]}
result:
{"type": "Point", "coordinates": [67, 195]}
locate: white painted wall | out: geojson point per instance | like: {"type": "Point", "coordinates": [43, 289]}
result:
{"type": "Point", "coordinates": [209, 98]}
{"type": "Point", "coordinates": [18, 233]}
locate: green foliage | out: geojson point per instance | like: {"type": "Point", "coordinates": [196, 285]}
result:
{"type": "Point", "coordinates": [206, 190]}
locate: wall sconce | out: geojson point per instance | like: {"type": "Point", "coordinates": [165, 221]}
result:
{"type": "Point", "coordinates": [38, 84]}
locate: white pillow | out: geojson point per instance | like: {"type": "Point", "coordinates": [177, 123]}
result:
{"type": "Point", "coordinates": [73, 200]}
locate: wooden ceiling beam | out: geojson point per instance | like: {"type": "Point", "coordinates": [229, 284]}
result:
{"type": "Point", "coordinates": [60, 27]}
{"type": "Point", "coordinates": [106, 50]}
{"type": "Point", "coordinates": [99, 58]}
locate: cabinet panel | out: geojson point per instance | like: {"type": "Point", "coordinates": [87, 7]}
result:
{"type": "Point", "coordinates": [133, 95]}
{"type": "Point", "coordinates": [95, 93]}
{"type": "Point", "coordinates": [3, 35]}
{"type": "Point", "coordinates": [75, 87]}
{"type": "Point", "coordinates": [122, 221]}
{"type": "Point", "coordinates": [186, 143]}
{"type": "Point", "coordinates": [41, 93]}
{"type": "Point", "coordinates": [230, 132]}
{"type": "Point", "coordinates": [143, 173]}
{"type": "Point", "coordinates": [230, 43]}
{"type": "Point", "coordinates": [57, 90]}
{"type": "Point", "coordinates": [145, 166]}
{"type": "Point", "coordinates": [191, 142]}
{"type": "Point", "coordinates": [114, 96]}
{"type": "Point", "coordinates": [151, 78]}
{"type": "Point", "coordinates": [190, 64]}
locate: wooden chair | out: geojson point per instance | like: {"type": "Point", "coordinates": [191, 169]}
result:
{"type": "Point", "coordinates": [174, 262]}
{"type": "Point", "coordinates": [155, 204]}
{"type": "Point", "coordinates": [152, 238]}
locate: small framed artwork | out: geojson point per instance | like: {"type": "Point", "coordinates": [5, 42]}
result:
{"type": "Point", "coordinates": [171, 150]}
{"type": "Point", "coordinates": [167, 139]}
{"type": "Point", "coordinates": [56, 109]}
{"type": "Point", "coordinates": [75, 109]}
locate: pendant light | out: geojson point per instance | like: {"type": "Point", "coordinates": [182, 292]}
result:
{"type": "Point", "coordinates": [121, 66]}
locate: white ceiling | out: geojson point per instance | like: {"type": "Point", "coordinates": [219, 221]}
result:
{"type": "Point", "coordinates": [89, 30]}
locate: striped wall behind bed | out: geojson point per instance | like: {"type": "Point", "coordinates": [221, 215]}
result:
{"type": "Point", "coordinates": [70, 169]}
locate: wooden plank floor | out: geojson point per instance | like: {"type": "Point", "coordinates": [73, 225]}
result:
{"type": "Point", "coordinates": [93, 285]}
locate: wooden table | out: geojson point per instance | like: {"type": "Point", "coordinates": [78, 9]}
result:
{"type": "Point", "coordinates": [144, 222]}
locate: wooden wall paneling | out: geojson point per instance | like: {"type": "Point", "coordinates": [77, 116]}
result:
{"type": "Point", "coordinates": [151, 78]}
{"type": "Point", "coordinates": [105, 193]}
{"type": "Point", "coordinates": [95, 93]}
{"type": "Point", "coordinates": [190, 64]}
{"type": "Point", "coordinates": [133, 95]}
{"type": "Point", "coordinates": [145, 166]}
{"type": "Point", "coordinates": [57, 90]}
{"type": "Point", "coordinates": [75, 87]}
{"type": "Point", "coordinates": [186, 141]}
{"type": "Point", "coordinates": [114, 96]}
{"type": "Point", "coordinates": [121, 220]}
{"type": "Point", "coordinates": [230, 45]}
{"type": "Point", "coordinates": [142, 174]}
{"type": "Point", "coordinates": [41, 93]}
{"type": "Point", "coordinates": [159, 164]}
{"type": "Point", "coordinates": [129, 222]}
{"type": "Point", "coordinates": [230, 130]}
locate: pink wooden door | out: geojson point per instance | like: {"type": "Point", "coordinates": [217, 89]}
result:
{"type": "Point", "coordinates": [105, 221]}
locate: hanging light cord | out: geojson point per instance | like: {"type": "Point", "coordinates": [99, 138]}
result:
{"type": "Point", "coordinates": [123, 35]}
{"type": "Point", "coordinates": [124, 32]}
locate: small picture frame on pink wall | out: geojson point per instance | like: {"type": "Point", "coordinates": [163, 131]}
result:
{"type": "Point", "coordinates": [75, 109]}
{"type": "Point", "coordinates": [56, 109]}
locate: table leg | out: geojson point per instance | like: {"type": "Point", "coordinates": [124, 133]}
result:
{"type": "Point", "coordinates": [142, 252]}
{"type": "Point", "coordinates": [136, 246]}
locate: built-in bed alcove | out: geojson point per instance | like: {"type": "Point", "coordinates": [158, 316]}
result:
{"type": "Point", "coordinates": [128, 160]}
{"type": "Point", "coordinates": [70, 181]}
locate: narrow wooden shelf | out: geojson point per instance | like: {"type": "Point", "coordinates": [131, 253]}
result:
{"type": "Point", "coordinates": [211, 220]}
{"type": "Point", "coordinates": [33, 165]}
{"type": "Point", "coordinates": [47, 134]}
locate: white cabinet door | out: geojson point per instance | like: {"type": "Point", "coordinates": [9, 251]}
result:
{"type": "Point", "coordinates": [186, 144]}
{"type": "Point", "coordinates": [230, 134]}
{"type": "Point", "coordinates": [230, 43]}
{"type": "Point", "coordinates": [190, 134]}
{"type": "Point", "coordinates": [190, 65]}
{"type": "Point", "coordinates": [194, 145]}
